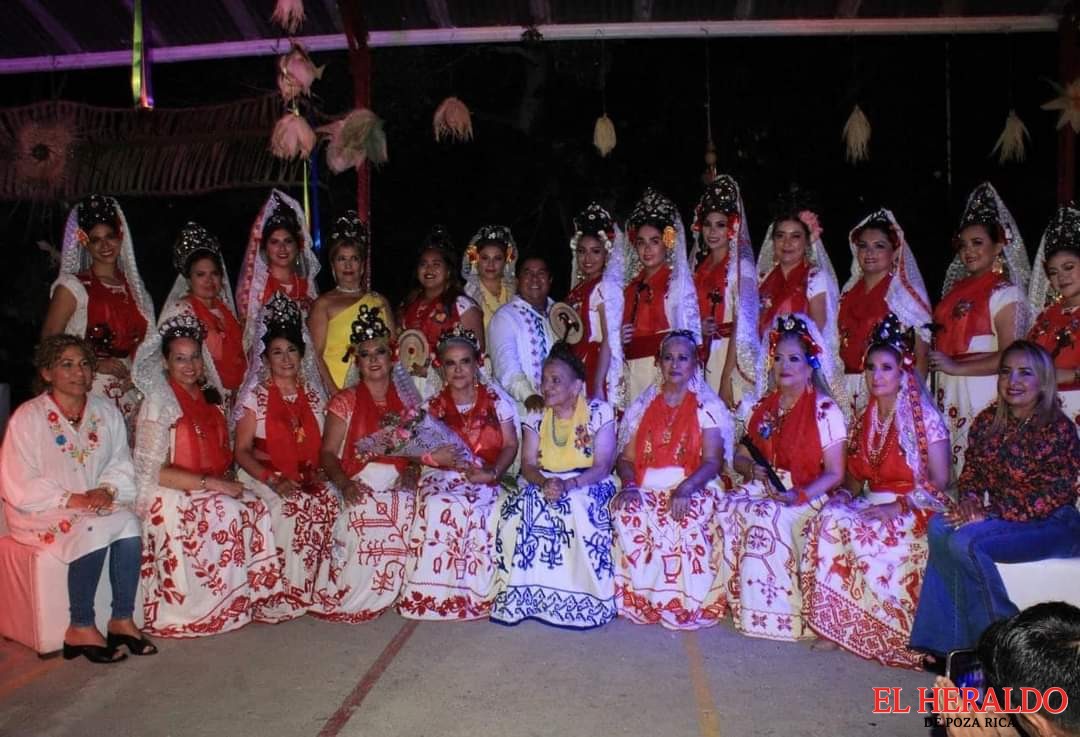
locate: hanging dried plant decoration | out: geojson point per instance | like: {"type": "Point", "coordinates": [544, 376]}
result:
{"type": "Point", "coordinates": [292, 137]}
{"type": "Point", "coordinates": [603, 136]}
{"type": "Point", "coordinates": [452, 121]}
{"type": "Point", "coordinates": [1068, 102]}
{"type": "Point", "coordinates": [856, 136]}
{"type": "Point", "coordinates": [1010, 144]}
{"type": "Point", "coordinates": [356, 138]}
{"type": "Point", "coordinates": [289, 14]}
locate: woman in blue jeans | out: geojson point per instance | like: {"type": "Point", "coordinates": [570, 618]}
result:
{"type": "Point", "coordinates": [67, 479]}
{"type": "Point", "coordinates": [1018, 494]}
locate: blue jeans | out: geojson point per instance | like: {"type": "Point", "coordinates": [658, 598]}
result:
{"type": "Point", "coordinates": [962, 592]}
{"type": "Point", "coordinates": [85, 572]}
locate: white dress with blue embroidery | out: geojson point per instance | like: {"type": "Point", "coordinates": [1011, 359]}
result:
{"type": "Point", "coordinates": [555, 558]}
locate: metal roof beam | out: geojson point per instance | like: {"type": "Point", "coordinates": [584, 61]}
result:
{"type": "Point", "coordinates": [557, 32]}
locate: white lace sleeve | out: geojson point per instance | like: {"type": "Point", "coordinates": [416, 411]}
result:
{"type": "Point", "coordinates": [152, 443]}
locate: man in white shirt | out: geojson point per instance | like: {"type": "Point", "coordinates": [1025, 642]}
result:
{"type": "Point", "coordinates": [520, 335]}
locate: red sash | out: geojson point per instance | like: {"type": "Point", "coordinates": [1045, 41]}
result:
{"type": "Point", "coordinates": [431, 318]}
{"type": "Point", "coordinates": [860, 312]}
{"type": "Point", "coordinates": [114, 324]}
{"type": "Point", "coordinates": [201, 440]}
{"type": "Point", "coordinates": [965, 313]}
{"type": "Point", "coordinates": [366, 419]}
{"type": "Point", "coordinates": [891, 472]}
{"type": "Point", "coordinates": [710, 281]}
{"type": "Point", "coordinates": [1059, 333]}
{"type": "Point", "coordinates": [479, 427]}
{"type": "Point", "coordinates": [585, 349]}
{"type": "Point", "coordinates": [780, 295]}
{"type": "Point", "coordinates": [668, 436]}
{"type": "Point", "coordinates": [644, 309]}
{"type": "Point", "coordinates": [292, 434]}
{"type": "Point", "coordinates": [224, 341]}
{"type": "Point", "coordinates": [791, 442]}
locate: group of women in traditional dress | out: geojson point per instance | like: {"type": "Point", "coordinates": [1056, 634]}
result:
{"type": "Point", "coordinates": [697, 434]}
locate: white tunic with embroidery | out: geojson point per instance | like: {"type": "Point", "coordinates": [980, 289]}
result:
{"type": "Point", "coordinates": [520, 340]}
{"type": "Point", "coordinates": [44, 460]}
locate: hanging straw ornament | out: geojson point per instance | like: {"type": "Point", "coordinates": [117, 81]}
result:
{"type": "Point", "coordinates": [292, 137]}
{"type": "Point", "coordinates": [356, 138]}
{"type": "Point", "coordinates": [603, 136]}
{"type": "Point", "coordinates": [1010, 144]}
{"type": "Point", "coordinates": [857, 136]}
{"type": "Point", "coordinates": [1068, 102]}
{"type": "Point", "coordinates": [296, 73]}
{"type": "Point", "coordinates": [452, 121]}
{"type": "Point", "coordinates": [289, 14]}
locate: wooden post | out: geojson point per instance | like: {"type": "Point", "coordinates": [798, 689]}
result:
{"type": "Point", "coordinates": [1067, 70]}
{"type": "Point", "coordinates": [356, 32]}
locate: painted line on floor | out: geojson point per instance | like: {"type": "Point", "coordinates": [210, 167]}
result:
{"type": "Point", "coordinates": [37, 670]}
{"type": "Point", "coordinates": [708, 715]}
{"type": "Point", "coordinates": [356, 697]}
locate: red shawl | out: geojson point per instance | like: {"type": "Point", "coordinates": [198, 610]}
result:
{"type": "Point", "coordinates": [780, 295]}
{"type": "Point", "coordinates": [201, 440]}
{"type": "Point", "coordinates": [792, 441]}
{"type": "Point", "coordinates": [860, 312]}
{"type": "Point", "coordinates": [224, 341]}
{"type": "Point", "coordinates": [965, 313]}
{"type": "Point", "coordinates": [585, 349]}
{"type": "Point", "coordinates": [1059, 333]}
{"type": "Point", "coordinates": [711, 279]}
{"type": "Point", "coordinates": [891, 472]}
{"type": "Point", "coordinates": [644, 309]}
{"type": "Point", "coordinates": [115, 312]}
{"type": "Point", "coordinates": [366, 419]}
{"type": "Point", "coordinates": [668, 436]}
{"type": "Point", "coordinates": [479, 427]}
{"type": "Point", "coordinates": [431, 318]}
{"type": "Point", "coordinates": [292, 434]}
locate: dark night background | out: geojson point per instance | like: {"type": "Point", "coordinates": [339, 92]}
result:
{"type": "Point", "coordinates": [778, 107]}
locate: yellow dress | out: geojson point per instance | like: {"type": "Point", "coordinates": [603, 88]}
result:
{"type": "Point", "coordinates": [338, 332]}
{"type": "Point", "coordinates": [492, 302]}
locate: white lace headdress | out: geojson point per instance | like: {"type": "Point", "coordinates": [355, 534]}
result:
{"type": "Point", "coordinates": [706, 397]}
{"type": "Point", "coordinates": [723, 195]}
{"type": "Point", "coordinates": [680, 303]}
{"type": "Point", "coordinates": [1061, 234]}
{"type": "Point", "coordinates": [255, 271]}
{"type": "Point", "coordinates": [906, 296]}
{"type": "Point", "coordinates": [470, 261]}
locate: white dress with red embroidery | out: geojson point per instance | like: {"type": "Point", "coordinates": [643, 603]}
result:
{"type": "Point", "coordinates": [762, 542]}
{"type": "Point", "coordinates": [45, 459]}
{"type": "Point", "coordinates": [451, 569]}
{"type": "Point", "coordinates": [303, 522]}
{"type": "Point", "coordinates": [209, 562]}
{"type": "Point", "coordinates": [861, 580]}
{"type": "Point", "coordinates": [370, 544]}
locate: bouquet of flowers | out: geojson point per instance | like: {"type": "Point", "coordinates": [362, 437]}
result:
{"type": "Point", "coordinates": [411, 433]}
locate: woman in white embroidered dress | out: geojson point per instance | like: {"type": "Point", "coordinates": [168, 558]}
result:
{"type": "Point", "coordinates": [100, 296]}
{"type": "Point", "coordinates": [983, 308]}
{"type": "Point", "coordinates": [371, 535]}
{"type": "Point", "coordinates": [673, 442]}
{"type": "Point", "coordinates": [451, 569]}
{"type": "Point", "coordinates": [864, 559]}
{"type": "Point", "coordinates": [210, 563]}
{"type": "Point", "coordinates": [554, 539]}
{"type": "Point", "coordinates": [798, 430]}
{"type": "Point", "coordinates": [279, 418]}
{"type": "Point", "coordinates": [68, 484]}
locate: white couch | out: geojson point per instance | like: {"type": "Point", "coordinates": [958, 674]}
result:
{"type": "Point", "coordinates": [34, 596]}
{"type": "Point", "coordinates": [1057, 579]}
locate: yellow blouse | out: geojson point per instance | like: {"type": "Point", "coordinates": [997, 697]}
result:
{"type": "Point", "coordinates": [338, 332]}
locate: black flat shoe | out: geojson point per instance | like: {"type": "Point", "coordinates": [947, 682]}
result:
{"type": "Point", "coordinates": [135, 645]}
{"type": "Point", "coordinates": [93, 653]}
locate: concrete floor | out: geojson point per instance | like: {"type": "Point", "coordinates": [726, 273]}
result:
{"type": "Point", "coordinates": [308, 678]}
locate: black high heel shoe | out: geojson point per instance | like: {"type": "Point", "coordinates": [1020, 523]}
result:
{"type": "Point", "coordinates": [93, 653]}
{"type": "Point", "coordinates": [135, 645]}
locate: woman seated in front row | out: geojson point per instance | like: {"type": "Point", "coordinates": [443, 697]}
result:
{"type": "Point", "coordinates": [865, 556]}
{"type": "Point", "coordinates": [554, 538]}
{"type": "Point", "coordinates": [67, 480]}
{"type": "Point", "coordinates": [673, 440]}
{"type": "Point", "coordinates": [279, 417]}
{"type": "Point", "coordinates": [798, 430]}
{"type": "Point", "coordinates": [371, 535]}
{"type": "Point", "coordinates": [210, 563]}
{"type": "Point", "coordinates": [1017, 503]}
{"type": "Point", "coordinates": [451, 569]}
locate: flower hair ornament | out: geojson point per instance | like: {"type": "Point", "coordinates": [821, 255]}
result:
{"type": "Point", "coordinates": [793, 325]}
{"type": "Point", "coordinates": [94, 210]}
{"type": "Point", "coordinates": [461, 335]}
{"type": "Point", "coordinates": [720, 195]}
{"type": "Point", "coordinates": [194, 239]}
{"type": "Point", "coordinates": [890, 333]}
{"type": "Point", "coordinates": [492, 234]}
{"type": "Point", "coordinates": [283, 316]}
{"type": "Point", "coordinates": [183, 325]}
{"type": "Point", "coordinates": [658, 211]}
{"type": "Point", "coordinates": [594, 220]}
{"type": "Point", "coordinates": [810, 219]}
{"type": "Point", "coordinates": [349, 228]}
